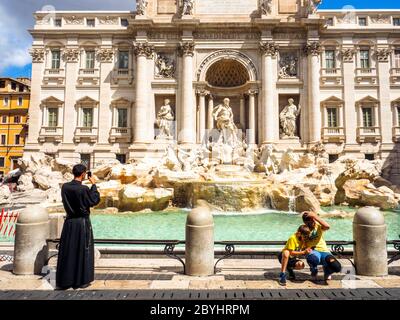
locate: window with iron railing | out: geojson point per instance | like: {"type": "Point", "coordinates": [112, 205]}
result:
{"type": "Point", "coordinates": [332, 117]}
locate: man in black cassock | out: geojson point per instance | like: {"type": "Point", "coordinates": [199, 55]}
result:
{"type": "Point", "coordinates": [75, 266]}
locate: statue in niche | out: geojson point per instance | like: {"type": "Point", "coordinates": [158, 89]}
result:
{"type": "Point", "coordinates": [223, 116]}
{"type": "Point", "coordinates": [288, 118]}
{"type": "Point", "coordinates": [165, 66]}
{"type": "Point", "coordinates": [164, 120]}
{"type": "Point", "coordinates": [288, 65]}
{"type": "Point", "coordinates": [313, 5]}
{"type": "Point", "coordinates": [266, 6]}
{"type": "Point", "coordinates": [187, 7]}
{"type": "Point", "coordinates": [141, 6]}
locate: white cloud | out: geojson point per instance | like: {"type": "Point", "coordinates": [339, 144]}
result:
{"type": "Point", "coordinates": [14, 42]}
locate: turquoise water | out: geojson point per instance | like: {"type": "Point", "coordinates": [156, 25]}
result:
{"type": "Point", "coordinates": [262, 226]}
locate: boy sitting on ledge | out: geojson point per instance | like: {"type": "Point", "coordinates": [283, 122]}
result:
{"type": "Point", "coordinates": [290, 253]}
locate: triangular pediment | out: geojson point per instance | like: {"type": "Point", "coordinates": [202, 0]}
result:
{"type": "Point", "coordinates": [332, 99]}
{"type": "Point", "coordinates": [52, 100]}
{"type": "Point", "coordinates": [396, 102]}
{"type": "Point", "coordinates": [121, 101]}
{"type": "Point", "coordinates": [368, 99]}
{"type": "Point", "coordinates": [87, 100]}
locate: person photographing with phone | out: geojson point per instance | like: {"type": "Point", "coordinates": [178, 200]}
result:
{"type": "Point", "coordinates": [75, 265]}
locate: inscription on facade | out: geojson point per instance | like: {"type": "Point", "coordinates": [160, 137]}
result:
{"type": "Point", "coordinates": [166, 6]}
{"type": "Point", "coordinates": [226, 6]}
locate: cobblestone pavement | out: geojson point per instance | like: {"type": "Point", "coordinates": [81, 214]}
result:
{"type": "Point", "coordinates": [236, 278]}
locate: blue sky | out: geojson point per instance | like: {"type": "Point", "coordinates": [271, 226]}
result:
{"type": "Point", "coordinates": [17, 18]}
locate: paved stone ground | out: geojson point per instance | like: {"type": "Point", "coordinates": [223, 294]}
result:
{"type": "Point", "coordinates": [163, 278]}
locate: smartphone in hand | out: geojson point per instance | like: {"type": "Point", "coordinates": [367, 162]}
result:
{"type": "Point", "coordinates": [89, 174]}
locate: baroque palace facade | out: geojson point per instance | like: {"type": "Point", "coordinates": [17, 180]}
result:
{"type": "Point", "coordinates": [100, 80]}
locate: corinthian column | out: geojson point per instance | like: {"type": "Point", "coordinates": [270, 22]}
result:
{"type": "Point", "coordinates": [187, 134]}
{"type": "Point", "coordinates": [143, 51]}
{"type": "Point", "coordinates": [202, 114]}
{"type": "Point", "coordinates": [313, 50]}
{"type": "Point", "coordinates": [269, 114]}
{"type": "Point", "coordinates": [252, 117]}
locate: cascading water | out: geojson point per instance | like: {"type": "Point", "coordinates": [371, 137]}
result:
{"type": "Point", "coordinates": [292, 201]}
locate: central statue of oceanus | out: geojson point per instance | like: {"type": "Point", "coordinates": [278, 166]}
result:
{"type": "Point", "coordinates": [223, 116]}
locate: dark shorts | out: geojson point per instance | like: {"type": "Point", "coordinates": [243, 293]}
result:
{"type": "Point", "coordinates": [291, 263]}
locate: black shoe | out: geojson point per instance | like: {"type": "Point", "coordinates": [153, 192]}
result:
{"type": "Point", "coordinates": [292, 276]}
{"type": "Point", "coordinates": [282, 278]}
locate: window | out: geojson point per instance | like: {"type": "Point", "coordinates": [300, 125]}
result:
{"type": "Point", "coordinates": [85, 160]}
{"type": "Point", "coordinates": [55, 59]}
{"type": "Point", "coordinates": [14, 164]}
{"type": "Point", "coordinates": [21, 88]}
{"type": "Point", "coordinates": [4, 119]}
{"type": "Point", "coordinates": [124, 22]}
{"type": "Point", "coordinates": [17, 139]}
{"type": "Point", "coordinates": [5, 101]}
{"type": "Point", "coordinates": [3, 139]}
{"type": "Point", "coordinates": [122, 117]}
{"type": "Point", "coordinates": [398, 115]}
{"type": "Point", "coordinates": [57, 22]}
{"type": "Point", "coordinates": [17, 119]}
{"type": "Point", "coordinates": [20, 101]}
{"type": "Point", "coordinates": [396, 22]}
{"type": "Point", "coordinates": [2, 162]}
{"type": "Point", "coordinates": [13, 86]}
{"type": "Point", "coordinates": [52, 117]}
{"type": "Point", "coordinates": [332, 117]}
{"type": "Point", "coordinates": [87, 117]}
{"type": "Point", "coordinates": [90, 23]}
{"type": "Point", "coordinates": [362, 21]}
{"type": "Point", "coordinates": [364, 59]}
{"type": "Point", "coordinates": [370, 156]}
{"type": "Point", "coordinates": [121, 158]}
{"type": "Point", "coordinates": [367, 117]}
{"type": "Point", "coordinates": [329, 22]}
{"type": "Point", "coordinates": [123, 59]}
{"type": "Point", "coordinates": [2, 84]}
{"type": "Point", "coordinates": [90, 59]}
{"type": "Point", "coordinates": [397, 58]}
{"type": "Point", "coordinates": [333, 158]}
{"type": "Point", "coordinates": [330, 59]}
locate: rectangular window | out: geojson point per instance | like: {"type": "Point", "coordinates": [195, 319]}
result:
{"type": "Point", "coordinates": [332, 117]}
{"type": "Point", "coordinates": [87, 117]}
{"type": "Point", "coordinates": [85, 160]}
{"type": "Point", "coordinates": [2, 84]}
{"type": "Point", "coordinates": [4, 119]}
{"type": "Point", "coordinates": [90, 59]}
{"type": "Point", "coordinates": [17, 139]}
{"type": "Point", "coordinates": [122, 118]}
{"type": "Point", "coordinates": [396, 22]}
{"type": "Point", "coordinates": [5, 101]}
{"type": "Point", "coordinates": [123, 59]}
{"type": "Point", "coordinates": [90, 23]}
{"type": "Point", "coordinates": [3, 139]}
{"type": "Point", "coordinates": [364, 59]}
{"type": "Point", "coordinates": [2, 162]}
{"type": "Point", "coordinates": [362, 21]}
{"type": "Point", "coordinates": [330, 59]}
{"type": "Point", "coordinates": [367, 117]}
{"type": "Point", "coordinates": [14, 164]}
{"type": "Point", "coordinates": [398, 116]}
{"type": "Point", "coordinates": [55, 59]}
{"type": "Point", "coordinates": [20, 101]}
{"type": "Point", "coordinates": [124, 22]}
{"type": "Point", "coordinates": [21, 88]}
{"type": "Point", "coordinates": [17, 119]}
{"type": "Point", "coordinates": [57, 22]}
{"type": "Point", "coordinates": [397, 58]}
{"type": "Point", "coordinates": [53, 117]}
{"type": "Point", "coordinates": [121, 158]}
{"type": "Point", "coordinates": [13, 86]}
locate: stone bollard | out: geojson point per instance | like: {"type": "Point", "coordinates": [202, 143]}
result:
{"type": "Point", "coordinates": [30, 248]}
{"type": "Point", "coordinates": [199, 251]}
{"type": "Point", "coordinates": [369, 234]}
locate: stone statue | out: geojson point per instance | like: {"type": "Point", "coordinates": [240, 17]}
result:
{"type": "Point", "coordinates": [223, 116]}
{"type": "Point", "coordinates": [164, 120]}
{"type": "Point", "coordinates": [266, 6]}
{"type": "Point", "coordinates": [141, 6]}
{"type": "Point", "coordinates": [268, 161]}
{"type": "Point", "coordinates": [289, 161]}
{"type": "Point", "coordinates": [187, 7]}
{"type": "Point", "coordinates": [313, 6]}
{"type": "Point", "coordinates": [288, 65]}
{"type": "Point", "coordinates": [166, 67]}
{"type": "Point", "coordinates": [288, 118]}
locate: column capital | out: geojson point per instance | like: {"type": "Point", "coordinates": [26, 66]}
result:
{"type": "Point", "coordinates": [105, 55]}
{"type": "Point", "coordinates": [348, 54]}
{"type": "Point", "coordinates": [71, 54]}
{"type": "Point", "coordinates": [383, 54]}
{"type": "Point", "coordinates": [186, 48]}
{"type": "Point", "coordinates": [313, 48]}
{"type": "Point", "coordinates": [202, 92]}
{"type": "Point", "coordinates": [37, 54]}
{"type": "Point", "coordinates": [269, 48]}
{"type": "Point", "coordinates": [252, 92]}
{"type": "Point", "coordinates": [144, 49]}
